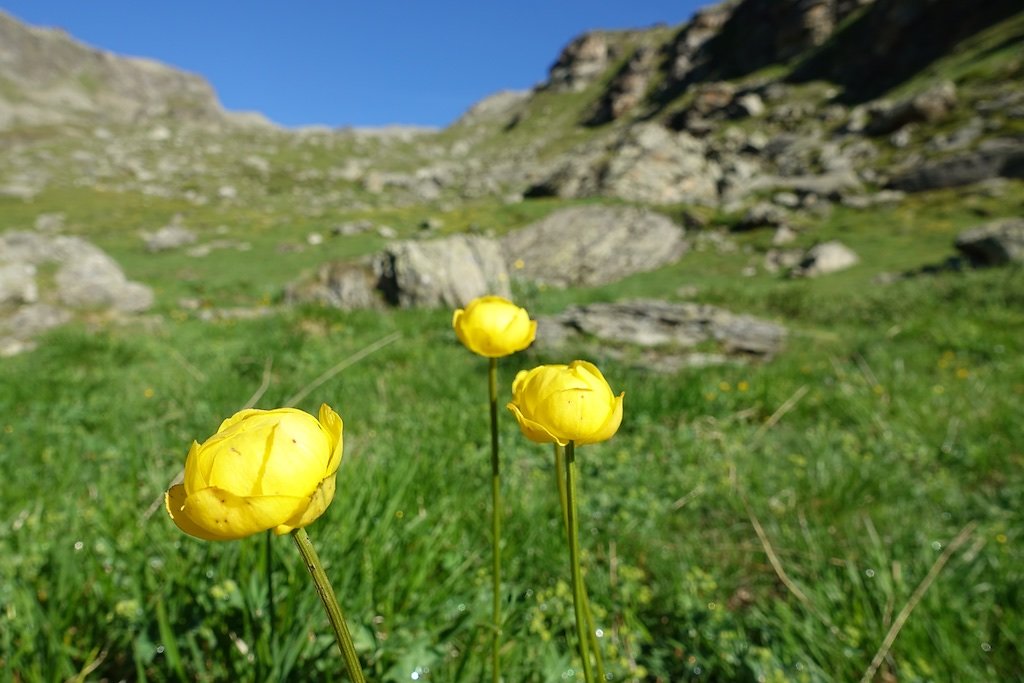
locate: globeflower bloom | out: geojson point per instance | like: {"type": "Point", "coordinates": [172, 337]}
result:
{"type": "Point", "coordinates": [263, 469]}
{"type": "Point", "coordinates": [492, 326]}
{"type": "Point", "coordinates": [563, 403]}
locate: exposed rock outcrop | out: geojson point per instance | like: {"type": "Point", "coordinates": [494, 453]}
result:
{"type": "Point", "coordinates": [592, 245]}
{"type": "Point", "coordinates": [878, 49]}
{"type": "Point", "coordinates": [993, 244]}
{"type": "Point", "coordinates": [627, 88]}
{"type": "Point", "coordinates": [933, 104]}
{"type": "Point", "coordinates": [448, 272]}
{"type": "Point", "coordinates": [647, 163]}
{"type": "Point", "coordinates": [992, 158]}
{"type": "Point", "coordinates": [581, 63]}
{"type": "Point", "coordinates": [85, 278]}
{"type": "Point", "coordinates": [671, 328]}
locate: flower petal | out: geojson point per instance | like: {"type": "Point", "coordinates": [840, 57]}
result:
{"type": "Point", "coordinates": [174, 502]}
{"type": "Point", "coordinates": [318, 502]}
{"type": "Point", "coordinates": [334, 426]}
{"type": "Point", "coordinates": [532, 430]}
{"type": "Point", "coordinates": [611, 425]}
{"type": "Point", "coordinates": [197, 470]}
{"type": "Point", "coordinates": [225, 516]}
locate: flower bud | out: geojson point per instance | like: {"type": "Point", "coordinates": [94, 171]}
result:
{"type": "Point", "coordinates": [263, 469]}
{"type": "Point", "coordinates": [563, 403]}
{"type": "Point", "coordinates": [493, 327]}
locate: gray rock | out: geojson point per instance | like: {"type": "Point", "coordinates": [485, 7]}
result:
{"type": "Point", "coordinates": [50, 222]}
{"type": "Point", "coordinates": [29, 321]}
{"type": "Point", "coordinates": [776, 260]}
{"type": "Point", "coordinates": [593, 245]}
{"type": "Point", "coordinates": [646, 163]}
{"type": "Point", "coordinates": [1003, 157]}
{"type": "Point", "coordinates": [18, 330]}
{"type": "Point", "coordinates": [746, 105]}
{"type": "Point", "coordinates": [783, 235]}
{"type": "Point", "coordinates": [825, 258]}
{"type": "Point", "coordinates": [931, 105]}
{"type": "Point", "coordinates": [96, 281]}
{"type": "Point", "coordinates": [763, 214]}
{"type": "Point", "coordinates": [346, 285]}
{"type": "Point", "coordinates": [654, 165]}
{"type": "Point", "coordinates": [581, 63]}
{"type": "Point", "coordinates": [826, 185]}
{"type": "Point", "coordinates": [448, 272]}
{"type": "Point", "coordinates": [36, 248]}
{"type": "Point", "coordinates": [993, 244]}
{"type": "Point", "coordinates": [86, 276]}
{"type": "Point", "coordinates": [627, 88]}
{"type": "Point", "coordinates": [654, 323]}
{"type": "Point", "coordinates": [351, 228]}
{"type": "Point", "coordinates": [18, 284]}
{"type": "Point", "coordinates": [788, 200]}
{"type": "Point", "coordinates": [171, 236]}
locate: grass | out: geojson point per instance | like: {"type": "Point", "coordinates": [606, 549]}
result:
{"type": "Point", "coordinates": [904, 430]}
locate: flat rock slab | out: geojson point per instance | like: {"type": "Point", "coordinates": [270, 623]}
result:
{"type": "Point", "coordinates": [592, 245]}
{"type": "Point", "coordinates": [674, 327]}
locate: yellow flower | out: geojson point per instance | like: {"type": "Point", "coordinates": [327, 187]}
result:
{"type": "Point", "coordinates": [494, 327]}
{"type": "Point", "coordinates": [263, 469]}
{"type": "Point", "coordinates": [563, 403]}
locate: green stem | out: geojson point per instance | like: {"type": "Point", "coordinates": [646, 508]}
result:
{"type": "Point", "coordinates": [334, 615]}
{"type": "Point", "coordinates": [495, 525]}
{"type": "Point", "coordinates": [574, 558]}
{"type": "Point", "coordinates": [269, 557]}
{"type": "Point", "coordinates": [595, 645]}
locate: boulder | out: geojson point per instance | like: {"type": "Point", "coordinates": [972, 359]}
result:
{"type": "Point", "coordinates": [648, 323]}
{"type": "Point", "coordinates": [993, 244]}
{"type": "Point", "coordinates": [86, 277]}
{"type": "Point", "coordinates": [96, 281]}
{"type": "Point", "coordinates": [931, 105]}
{"type": "Point", "coordinates": [339, 284]}
{"type": "Point", "coordinates": [824, 258]}
{"type": "Point", "coordinates": [1000, 157]}
{"type": "Point", "coordinates": [17, 330]}
{"type": "Point", "coordinates": [18, 284]}
{"type": "Point", "coordinates": [763, 214]}
{"type": "Point", "coordinates": [747, 105]}
{"type": "Point", "coordinates": [592, 245]}
{"type": "Point", "coordinates": [448, 272]}
{"type": "Point", "coordinates": [170, 236]}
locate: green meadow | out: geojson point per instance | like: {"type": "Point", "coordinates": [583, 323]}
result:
{"type": "Point", "coordinates": [749, 522]}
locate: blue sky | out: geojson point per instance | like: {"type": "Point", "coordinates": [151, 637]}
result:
{"type": "Point", "coordinates": [344, 62]}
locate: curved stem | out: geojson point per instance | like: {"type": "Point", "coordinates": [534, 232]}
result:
{"type": "Point", "coordinates": [595, 645]}
{"type": "Point", "coordinates": [492, 376]}
{"type": "Point", "coordinates": [574, 559]}
{"type": "Point", "coordinates": [334, 615]}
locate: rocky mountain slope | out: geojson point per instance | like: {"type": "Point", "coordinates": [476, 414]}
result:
{"type": "Point", "coordinates": [755, 113]}
{"type": "Point", "coordinates": [47, 77]}
{"type": "Point", "coordinates": [748, 97]}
